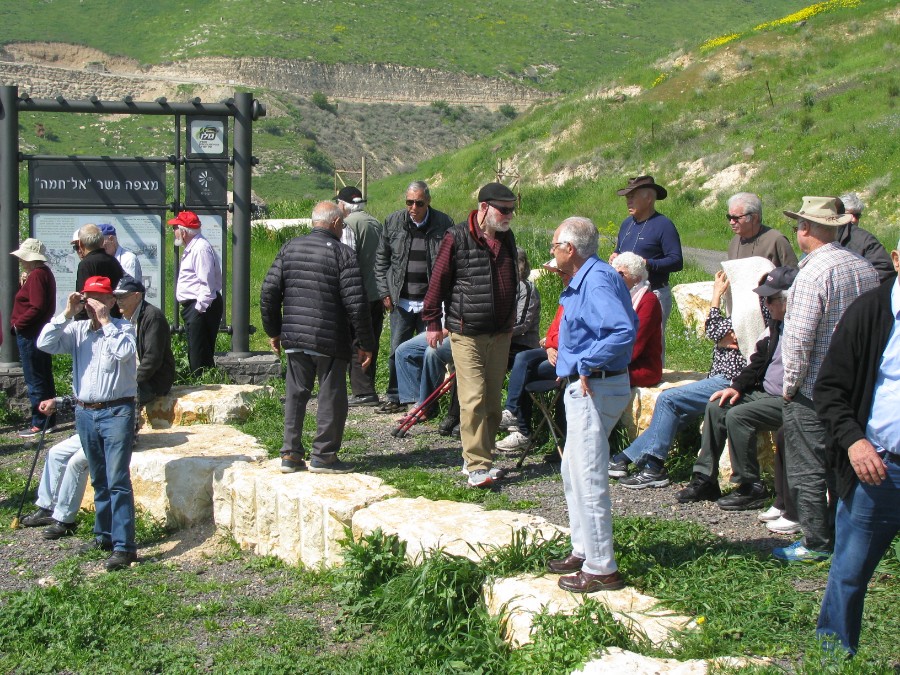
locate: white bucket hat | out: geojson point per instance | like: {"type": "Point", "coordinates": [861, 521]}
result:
{"type": "Point", "coordinates": [31, 250]}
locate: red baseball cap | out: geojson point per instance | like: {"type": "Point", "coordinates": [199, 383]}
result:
{"type": "Point", "coordinates": [97, 285]}
{"type": "Point", "coordinates": [187, 219]}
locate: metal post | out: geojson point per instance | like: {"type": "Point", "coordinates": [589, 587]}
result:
{"type": "Point", "coordinates": [9, 213]}
{"type": "Point", "coordinates": [365, 179]}
{"type": "Point", "coordinates": [240, 224]}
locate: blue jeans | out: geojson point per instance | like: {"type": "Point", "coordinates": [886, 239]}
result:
{"type": "Point", "coordinates": [37, 368]}
{"type": "Point", "coordinates": [404, 325]}
{"type": "Point", "coordinates": [866, 524]}
{"type": "Point", "coordinates": [107, 437]}
{"type": "Point", "coordinates": [420, 368]}
{"type": "Point", "coordinates": [585, 468]}
{"type": "Point", "coordinates": [528, 366]}
{"type": "Point", "coordinates": [675, 409]}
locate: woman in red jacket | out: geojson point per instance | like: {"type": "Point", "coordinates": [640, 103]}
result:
{"type": "Point", "coordinates": [33, 307]}
{"type": "Point", "coordinates": [645, 368]}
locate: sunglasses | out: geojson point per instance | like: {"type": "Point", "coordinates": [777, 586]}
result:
{"type": "Point", "coordinates": [505, 210]}
{"type": "Point", "coordinates": [418, 202]}
{"type": "Point", "coordinates": [729, 217]}
{"type": "Point", "coordinates": [76, 247]}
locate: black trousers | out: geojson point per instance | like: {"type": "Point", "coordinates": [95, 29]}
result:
{"type": "Point", "coordinates": [362, 382]}
{"type": "Point", "coordinates": [201, 330]}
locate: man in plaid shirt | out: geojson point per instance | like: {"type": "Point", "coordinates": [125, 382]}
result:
{"type": "Point", "coordinates": [830, 279]}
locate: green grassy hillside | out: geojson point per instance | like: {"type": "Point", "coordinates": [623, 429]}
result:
{"type": "Point", "coordinates": [552, 44]}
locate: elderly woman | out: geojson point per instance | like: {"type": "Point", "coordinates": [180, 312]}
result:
{"type": "Point", "coordinates": [645, 368]}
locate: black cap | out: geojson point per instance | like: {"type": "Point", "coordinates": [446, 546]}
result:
{"type": "Point", "coordinates": [776, 281]}
{"type": "Point", "coordinates": [351, 195]}
{"type": "Point", "coordinates": [495, 192]}
{"type": "Point", "coordinates": [128, 284]}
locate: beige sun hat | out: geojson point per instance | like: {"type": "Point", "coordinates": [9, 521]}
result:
{"type": "Point", "coordinates": [31, 250]}
{"type": "Point", "coordinates": [821, 210]}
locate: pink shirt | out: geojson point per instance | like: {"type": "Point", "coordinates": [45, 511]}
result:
{"type": "Point", "coordinates": [200, 275]}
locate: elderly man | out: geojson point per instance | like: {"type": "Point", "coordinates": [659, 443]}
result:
{"type": "Point", "coordinates": [95, 262]}
{"type": "Point", "coordinates": [475, 279]}
{"type": "Point", "coordinates": [853, 238]}
{"type": "Point", "coordinates": [363, 234]}
{"type": "Point", "coordinates": [403, 266]}
{"type": "Point", "coordinates": [311, 297]}
{"type": "Point", "coordinates": [596, 338]}
{"type": "Point", "coordinates": [751, 237]}
{"type": "Point", "coordinates": [652, 236]}
{"type": "Point", "coordinates": [128, 260]}
{"type": "Point", "coordinates": [857, 398]}
{"type": "Point", "coordinates": [830, 278]}
{"type": "Point", "coordinates": [104, 385]}
{"type": "Point", "coordinates": [198, 290]}
{"type": "Point", "coordinates": [156, 363]}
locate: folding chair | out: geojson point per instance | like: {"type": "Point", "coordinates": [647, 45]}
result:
{"type": "Point", "coordinates": [420, 412]}
{"type": "Point", "coordinates": [545, 395]}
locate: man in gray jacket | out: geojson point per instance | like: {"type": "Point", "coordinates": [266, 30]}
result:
{"type": "Point", "coordinates": [311, 296]}
{"type": "Point", "coordinates": [409, 245]}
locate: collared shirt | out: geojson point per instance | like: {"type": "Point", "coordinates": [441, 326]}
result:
{"type": "Point", "coordinates": [830, 278]}
{"type": "Point", "coordinates": [599, 326]}
{"type": "Point", "coordinates": [104, 361]}
{"type": "Point", "coordinates": [883, 429]}
{"type": "Point", "coordinates": [200, 275]}
{"type": "Point", "coordinates": [129, 262]}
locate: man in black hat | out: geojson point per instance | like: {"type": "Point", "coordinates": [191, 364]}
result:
{"type": "Point", "coordinates": [362, 233]}
{"type": "Point", "coordinates": [653, 237]}
{"type": "Point", "coordinates": [403, 265]}
{"type": "Point", "coordinates": [475, 278]}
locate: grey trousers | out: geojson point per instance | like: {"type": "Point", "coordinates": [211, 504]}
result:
{"type": "Point", "coordinates": [738, 424]}
{"type": "Point", "coordinates": [807, 479]}
{"type": "Point", "coordinates": [302, 371]}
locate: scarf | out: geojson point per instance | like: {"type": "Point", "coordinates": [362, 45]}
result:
{"type": "Point", "coordinates": [637, 293]}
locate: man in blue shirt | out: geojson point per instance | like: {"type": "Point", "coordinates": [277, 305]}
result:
{"type": "Point", "coordinates": [596, 338]}
{"type": "Point", "coordinates": [104, 383]}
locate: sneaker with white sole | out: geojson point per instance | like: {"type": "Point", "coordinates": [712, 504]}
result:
{"type": "Point", "coordinates": [783, 526]}
{"type": "Point", "coordinates": [509, 421]}
{"type": "Point", "coordinates": [770, 514]}
{"type": "Point", "coordinates": [480, 479]}
{"type": "Point", "coordinates": [495, 472]}
{"type": "Point", "coordinates": [647, 478]}
{"type": "Point", "coordinates": [797, 552]}
{"type": "Point", "coordinates": [515, 441]}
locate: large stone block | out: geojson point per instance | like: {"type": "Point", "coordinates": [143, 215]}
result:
{"type": "Point", "coordinates": [299, 517]}
{"type": "Point", "coordinates": [522, 597]}
{"type": "Point", "coordinates": [172, 470]}
{"type": "Point", "coordinates": [204, 404]}
{"type": "Point", "coordinates": [693, 301]}
{"type": "Point", "coordinates": [617, 660]}
{"type": "Point", "coordinates": [457, 528]}
{"type": "Point", "coordinates": [636, 417]}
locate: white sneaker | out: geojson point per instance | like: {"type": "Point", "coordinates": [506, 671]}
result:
{"type": "Point", "coordinates": [783, 526]}
{"type": "Point", "coordinates": [769, 515]}
{"type": "Point", "coordinates": [515, 441]}
{"type": "Point", "coordinates": [494, 472]}
{"type": "Point", "coordinates": [509, 421]}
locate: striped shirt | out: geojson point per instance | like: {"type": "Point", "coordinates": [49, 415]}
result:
{"type": "Point", "coordinates": [830, 279]}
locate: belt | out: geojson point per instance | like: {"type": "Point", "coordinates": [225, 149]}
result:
{"type": "Point", "coordinates": [103, 405]}
{"type": "Point", "coordinates": [601, 374]}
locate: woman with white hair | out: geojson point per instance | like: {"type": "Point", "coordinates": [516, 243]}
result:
{"type": "Point", "coordinates": [645, 368]}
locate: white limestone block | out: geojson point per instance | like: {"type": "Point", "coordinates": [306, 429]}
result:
{"type": "Point", "coordinates": [172, 470]}
{"type": "Point", "coordinates": [457, 528]}
{"type": "Point", "coordinates": [524, 596]}
{"type": "Point", "coordinates": [693, 302]}
{"type": "Point", "coordinates": [617, 660]}
{"type": "Point", "coordinates": [636, 416]}
{"type": "Point", "coordinates": [299, 517]}
{"type": "Point", "coordinates": [204, 404]}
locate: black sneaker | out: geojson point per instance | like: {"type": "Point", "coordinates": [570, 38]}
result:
{"type": "Point", "coordinates": [292, 463]}
{"type": "Point", "coordinates": [336, 466]}
{"type": "Point", "coordinates": [29, 432]}
{"type": "Point", "coordinates": [39, 518]}
{"type": "Point", "coordinates": [367, 399]}
{"type": "Point", "coordinates": [445, 428]}
{"type": "Point", "coordinates": [56, 530]}
{"type": "Point", "coordinates": [390, 408]}
{"type": "Point", "coordinates": [746, 497]}
{"type": "Point", "coordinates": [701, 488]}
{"type": "Point", "coordinates": [120, 560]}
{"type": "Point", "coordinates": [647, 478]}
{"type": "Point", "coordinates": [95, 545]}
{"type": "Point", "coordinates": [618, 469]}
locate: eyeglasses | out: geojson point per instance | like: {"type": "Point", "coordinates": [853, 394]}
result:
{"type": "Point", "coordinates": [418, 202]}
{"type": "Point", "coordinates": [556, 244]}
{"type": "Point", "coordinates": [729, 217]}
{"type": "Point", "coordinates": [76, 247]}
{"type": "Point", "coordinates": [505, 210]}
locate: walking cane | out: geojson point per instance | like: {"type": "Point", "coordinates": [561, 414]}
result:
{"type": "Point", "coordinates": [418, 413]}
{"type": "Point", "coordinates": [15, 522]}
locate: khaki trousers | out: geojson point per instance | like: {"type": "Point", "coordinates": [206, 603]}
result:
{"type": "Point", "coordinates": [480, 362]}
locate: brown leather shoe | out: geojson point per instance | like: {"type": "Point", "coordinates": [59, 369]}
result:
{"type": "Point", "coordinates": [571, 563]}
{"type": "Point", "coordinates": [582, 582]}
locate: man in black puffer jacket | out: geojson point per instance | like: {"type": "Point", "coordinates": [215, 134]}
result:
{"type": "Point", "coordinates": [311, 296]}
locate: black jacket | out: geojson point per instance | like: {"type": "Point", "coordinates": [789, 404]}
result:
{"type": "Point", "coordinates": [154, 349]}
{"type": "Point", "coordinates": [864, 243]}
{"type": "Point", "coordinates": [846, 382]}
{"type": "Point", "coordinates": [313, 293]}
{"type": "Point", "coordinates": [98, 264]}
{"type": "Point", "coordinates": [754, 373]}
{"type": "Point", "coordinates": [392, 256]}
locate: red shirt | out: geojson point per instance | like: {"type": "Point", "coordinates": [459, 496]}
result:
{"type": "Point", "coordinates": [645, 368]}
{"type": "Point", "coordinates": [35, 302]}
{"type": "Point", "coordinates": [552, 339]}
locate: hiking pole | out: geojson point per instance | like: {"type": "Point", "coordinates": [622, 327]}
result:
{"type": "Point", "coordinates": [413, 416]}
{"type": "Point", "coordinates": [14, 525]}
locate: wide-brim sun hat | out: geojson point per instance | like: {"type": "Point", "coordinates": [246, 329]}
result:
{"type": "Point", "coordinates": [821, 210]}
{"type": "Point", "coordinates": [31, 250]}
